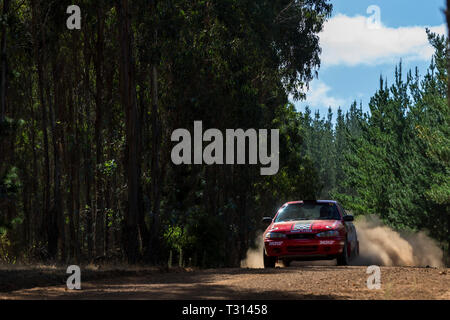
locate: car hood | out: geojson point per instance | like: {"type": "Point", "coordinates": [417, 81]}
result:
{"type": "Point", "coordinates": [305, 226]}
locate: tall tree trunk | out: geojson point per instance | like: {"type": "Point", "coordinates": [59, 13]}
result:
{"type": "Point", "coordinates": [447, 13]}
{"type": "Point", "coordinates": [100, 210]}
{"type": "Point", "coordinates": [87, 154]}
{"type": "Point", "coordinates": [73, 161]}
{"type": "Point", "coordinates": [156, 132]}
{"type": "Point", "coordinates": [35, 177]}
{"type": "Point", "coordinates": [144, 133]}
{"type": "Point", "coordinates": [109, 72]}
{"type": "Point", "coordinates": [56, 139]}
{"type": "Point", "coordinates": [39, 50]}
{"type": "Point", "coordinates": [3, 85]}
{"type": "Point", "coordinates": [155, 245]}
{"type": "Point", "coordinates": [3, 64]}
{"type": "Point", "coordinates": [129, 103]}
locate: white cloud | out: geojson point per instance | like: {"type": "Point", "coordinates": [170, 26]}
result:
{"type": "Point", "coordinates": [350, 41]}
{"type": "Point", "coordinates": [318, 96]}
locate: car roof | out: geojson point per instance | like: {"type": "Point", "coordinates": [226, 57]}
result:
{"type": "Point", "coordinates": [318, 201]}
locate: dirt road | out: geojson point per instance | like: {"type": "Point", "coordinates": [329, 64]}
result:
{"type": "Point", "coordinates": [296, 282]}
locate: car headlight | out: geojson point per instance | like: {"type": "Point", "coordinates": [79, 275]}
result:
{"type": "Point", "coordinates": [275, 235]}
{"type": "Point", "coordinates": [331, 233]}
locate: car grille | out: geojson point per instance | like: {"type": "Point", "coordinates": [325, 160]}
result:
{"type": "Point", "coordinates": [301, 236]}
{"type": "Point", "coordinates": [302, 248]}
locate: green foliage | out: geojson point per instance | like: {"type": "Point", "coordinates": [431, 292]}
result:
{"type": "Point", "coordinates": [108, 167]}
{"type": "Point", "coordinates": [394, 160]}
{"type": "Point", "coordinates": [6, 248]}
{"type": "Point", "coordinates": [177, 238]}
{"type": "Point", "coordinates": [12, 182]}
{"type": "Point", "coordinates": [231, 64]}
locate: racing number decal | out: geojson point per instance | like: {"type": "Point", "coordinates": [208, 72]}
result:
{"type": "Point", "coordinates": [301, 227]}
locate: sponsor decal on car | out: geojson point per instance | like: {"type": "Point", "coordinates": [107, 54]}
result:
{"type": "Point", "coordinates": [326, 242]}
{"type": "Point", "coordinates": [275, 243]}
{"type": "Point", "coordinates": [301, 227]}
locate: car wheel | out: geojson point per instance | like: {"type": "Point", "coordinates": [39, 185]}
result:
{"type": "Point", "coordinates": [286, 262]}
{"type": "Point", "coordinates": [342, 259]}
{"type": "Point", "coordinates": [355, 251]}
{"type": "Point", "coordinates": [269, 262]}
{"type": "Point", "coordinates": [357, 248]}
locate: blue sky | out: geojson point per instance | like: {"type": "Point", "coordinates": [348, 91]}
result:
{"type": "Point", "coordinates": [356, 51]}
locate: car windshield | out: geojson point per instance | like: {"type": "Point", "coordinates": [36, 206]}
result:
{"type": "Point", "coordinates": [308, 211]}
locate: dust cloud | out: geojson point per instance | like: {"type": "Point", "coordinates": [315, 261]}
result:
{"type": "Point", "coordinates": [254, 257]}
{"type": "Point", "coordinates": [381, 245]}
{"type": "Point", "coordinates": [378, 244]}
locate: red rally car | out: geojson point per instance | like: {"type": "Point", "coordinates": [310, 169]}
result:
{"type": "Point", "coordinates": [310, 230]}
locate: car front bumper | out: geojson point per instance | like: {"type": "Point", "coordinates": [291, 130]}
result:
{"type": "Point", "coordinates": [301, 248]}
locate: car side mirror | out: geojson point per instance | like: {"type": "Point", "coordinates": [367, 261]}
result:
{"type": "Point", "coordinates": [348, 218]}
{"type": "Point", "coordinates": [267, 220]}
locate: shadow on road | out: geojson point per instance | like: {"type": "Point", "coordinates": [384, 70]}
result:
{"type": "Point", "coordinates": [192, 292]}
{"type": "Point", "coordinates": [184, 285]}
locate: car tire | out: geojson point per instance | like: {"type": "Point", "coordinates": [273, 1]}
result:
{"type": "Point", "coordinates": [269, 262]}
{"type": "Point", "coordinates": [286, 262]}
{"type": "Point", "coordinates": [355, 250]}
{"type": "Point", "coordinates": [342, 259]}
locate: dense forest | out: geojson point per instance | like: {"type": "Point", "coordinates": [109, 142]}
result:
{"type": "Point", "coordinates": [392, 161]}
{"type": "Point", "coordinates": [87, 116]}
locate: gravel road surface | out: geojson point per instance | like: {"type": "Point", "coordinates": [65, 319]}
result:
{"type": "Point", "coordinates": [299, 281]}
